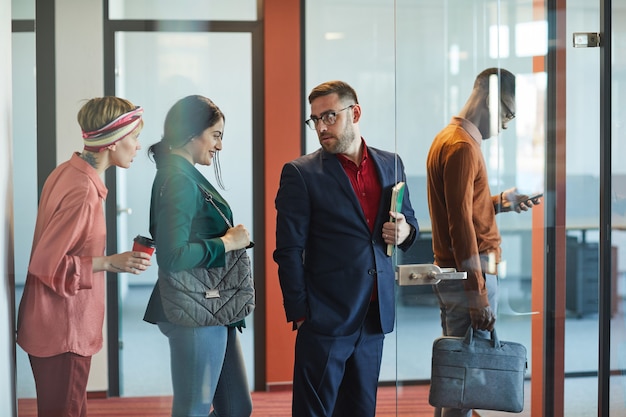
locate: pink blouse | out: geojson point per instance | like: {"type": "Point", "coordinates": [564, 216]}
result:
{"type": "Point", "coordinates": [62, 308]}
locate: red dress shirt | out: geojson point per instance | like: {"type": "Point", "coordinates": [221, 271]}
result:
{"type": "Point", "coordinates": [366, 185]}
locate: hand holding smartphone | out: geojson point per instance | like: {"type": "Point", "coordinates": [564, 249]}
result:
{"type": "Point", "coordinates": [531, 199]}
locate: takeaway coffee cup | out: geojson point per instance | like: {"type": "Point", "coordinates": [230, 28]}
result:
{"type": "Point", "coordinates": [143, 244]}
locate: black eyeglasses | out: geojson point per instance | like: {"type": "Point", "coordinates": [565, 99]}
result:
{"type": "Point", "coordinates": [329, 118]}
{"type": "Point", "coordinates": [509, 114]}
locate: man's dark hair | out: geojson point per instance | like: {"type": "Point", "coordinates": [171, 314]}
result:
{"type": "Point", "coordinates": [342, 89]}
{"type": "Point", "coordinates": [505, 77]}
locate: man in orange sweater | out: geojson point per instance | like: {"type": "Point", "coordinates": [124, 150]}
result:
{"type": "Point", "coordinates": [462, 210]}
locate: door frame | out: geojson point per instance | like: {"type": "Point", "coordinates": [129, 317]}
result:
{"type": "Point", "coordinates": [549, 389]}
{"type": "Point", "coordinates": [255, 29]}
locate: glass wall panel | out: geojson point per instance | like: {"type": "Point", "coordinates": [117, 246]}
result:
{"type": "Point", "coordinates": [353, 41]}
{"type": "Point", "coordinates": [23, 9]}
{"type": "Point", "coordinates": [359, 51]}
{"type": "Point", "coordinates": [25, 196]}
{"type": "Point", "coordinates": [24, 168]}
{"type": "Point", "coordinates": [154, 70]}
{"type": "Point", "coordinates": [183, 10]}
{"type": "Point", "coordinates": [582, 215]}
{"type": "Point", "coordinates": [618, 236]}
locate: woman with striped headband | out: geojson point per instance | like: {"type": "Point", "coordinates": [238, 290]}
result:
{"type": "Point", "coordinates": [62, 309]}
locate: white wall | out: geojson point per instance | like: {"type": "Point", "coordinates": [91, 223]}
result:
{"type": "Point", "coordinates": [7, 340]}
{"type": "Point", "coordinates": [79, 76]}
{"type": "Point", "coordinates": [79, 67]}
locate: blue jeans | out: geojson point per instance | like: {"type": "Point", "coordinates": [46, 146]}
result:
{"type": "Point", "coordinates": [207, 369]}
{"type": "Point", "coordinates": [455, 320]}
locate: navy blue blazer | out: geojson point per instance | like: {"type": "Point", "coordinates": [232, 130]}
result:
{"type": "Point", "coordinates": [327, 257]}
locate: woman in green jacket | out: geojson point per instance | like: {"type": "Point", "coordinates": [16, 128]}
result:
{"type": "Point", "coordinates": [206, 362]}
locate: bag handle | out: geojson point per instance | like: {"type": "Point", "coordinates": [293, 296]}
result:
{"type": "Point", "coordinates": [469, 337]}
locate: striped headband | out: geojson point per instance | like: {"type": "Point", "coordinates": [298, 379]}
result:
{"type": "Point", "coordinates": [118, 129]}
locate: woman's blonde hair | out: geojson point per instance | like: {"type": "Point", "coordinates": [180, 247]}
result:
{"type": "Point", "coordinates": [100, 111]}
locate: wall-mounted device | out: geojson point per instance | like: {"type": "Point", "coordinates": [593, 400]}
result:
{"type": "Point", "coordinates": [586, 39]}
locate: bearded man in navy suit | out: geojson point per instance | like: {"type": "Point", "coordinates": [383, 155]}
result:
{"type": "Point", "coordinates": [333, 228]}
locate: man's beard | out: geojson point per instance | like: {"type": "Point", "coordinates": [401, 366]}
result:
{"type": "Point", "coordinates": [343, 141]}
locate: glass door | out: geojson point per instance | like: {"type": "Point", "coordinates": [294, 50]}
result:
{"type": "Point", "coordinates": [426, 66]}
{"type": "Point", "coordinates": [564, 303]}
{"type": "Point", "coordinates": [155, 69]}
{"type": "Point", "coordinates": [613, 292]}
{"type": "Point", "coordinates": [595, 215]}
{"type": "Point", "coordinates": [435, 75]}
{"type": "Point", "coordinates": [582, 216]}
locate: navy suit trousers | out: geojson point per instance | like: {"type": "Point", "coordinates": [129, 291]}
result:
{"type": "Point", "coordinates": [338, 375]}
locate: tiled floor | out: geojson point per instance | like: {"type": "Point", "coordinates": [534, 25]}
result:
{"type": "Point", "coordinates": [145, 353]}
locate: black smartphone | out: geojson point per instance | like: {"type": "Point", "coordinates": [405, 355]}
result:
{"type": "Point", "coordinates": [531, 198]}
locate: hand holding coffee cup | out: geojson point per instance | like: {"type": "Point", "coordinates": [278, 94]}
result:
{"type": "Point", "coordinates": [131, 262]}
{"type": "Point", "coordinates": [135, 261]}
{"type": "Point", "coordinates": [143, 244]}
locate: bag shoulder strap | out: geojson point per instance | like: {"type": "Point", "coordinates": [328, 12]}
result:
{"type": "Point", "coordinates": [208, 197]}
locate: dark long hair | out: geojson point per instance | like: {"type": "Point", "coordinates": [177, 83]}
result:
{"type": "Point", "coordinates": [187, 119]}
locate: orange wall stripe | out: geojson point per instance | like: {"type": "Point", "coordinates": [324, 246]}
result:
{"type": "Point", "coordinates": [283, 126]}
{"type": "Point", "coordinates": [537, 272]}
{"type": "Point", "coordinates": [538, 238]}
{"type": "Point", "coordinates": [537, 307]}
